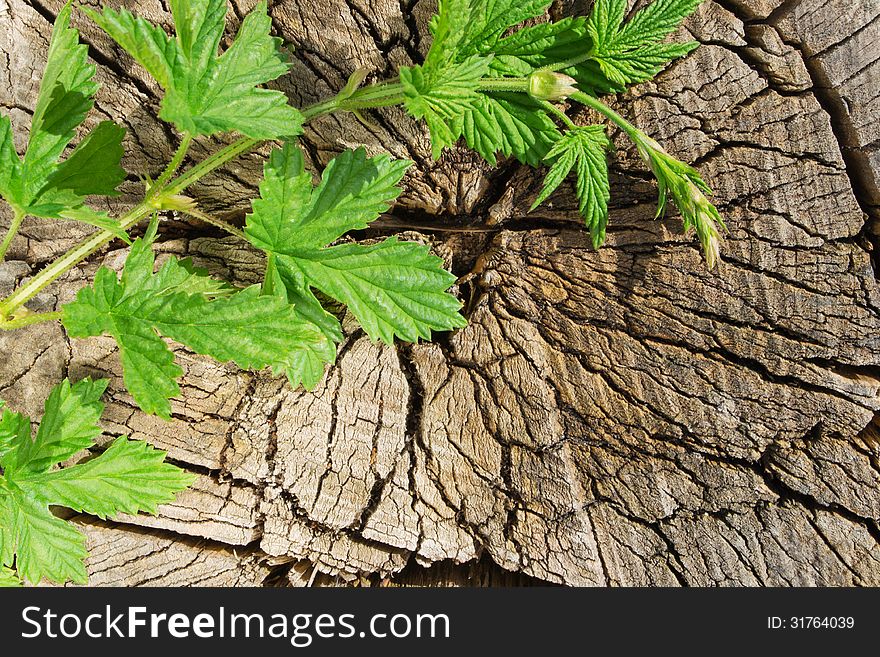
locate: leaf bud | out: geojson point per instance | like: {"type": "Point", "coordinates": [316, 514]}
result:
{"type": "Point", "coordinates": [547, 85]}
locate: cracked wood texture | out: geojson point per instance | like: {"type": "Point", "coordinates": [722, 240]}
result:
{"type": "Point", "coordinates": [611, 417]}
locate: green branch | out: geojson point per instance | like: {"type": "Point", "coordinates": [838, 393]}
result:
{"type": "Point", "coordinates": [66, 262]}
{"type": "Point", "coordinates": [159, 186]}
{"type": "Point", "coordinates": [215, 221]}
{"type": "Point", "coordinates": [595, 104]}
{"type": "Point", "coordinates": [28, 319]}
{"type": "Point", "coordinates": [17, 218]}
{"type": "Point", "coordinates": [379, 95]}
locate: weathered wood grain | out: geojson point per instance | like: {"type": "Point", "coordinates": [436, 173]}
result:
{"type": "Point", "coordinates": [611, 417]}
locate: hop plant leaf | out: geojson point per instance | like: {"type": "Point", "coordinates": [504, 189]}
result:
{"type": "Point", "coordinates": [444, 90]}
{"type": "Point", "coordinates": [443, 96]}
{"type": "Point", "coordinates": [249, 328]}
{"type": "Point", "coordinates": [486, 22]}
{"type": "Point", "coordinates": [394, 289]}
{"type": "Point", "coordinates": [630, 52]}
{"type": "Point", "coordinates": [509, 124]}
{"type": "Point", "coordinates": [539, 46]}
{"type": "Point", "coordinates": [41, 184]}
{"type": "Point", "coordinates": [129, 477]}
{"type": "Point", "coordinates": [584, 149]}
{"type": "Point", "coordinates": [603, 54]}
{"type": "Point", "coordinates": [206, 94]}
{"type": "Point", "coordinates": [441, 90]}
{"type": "Point", "coordinates": [515, 124]}
{"type": "Point", "coordinates": [8, 578]}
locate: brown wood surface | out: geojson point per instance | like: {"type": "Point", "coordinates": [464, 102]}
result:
{"type": "Point", "coordinates": [612, 417]}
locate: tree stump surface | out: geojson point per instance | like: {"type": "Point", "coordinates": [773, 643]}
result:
{"type": "Point", "coordinates": [611, 417]}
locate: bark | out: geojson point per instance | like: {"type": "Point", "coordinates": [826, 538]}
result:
{"type": "Point", "coordinates": [611, 417]}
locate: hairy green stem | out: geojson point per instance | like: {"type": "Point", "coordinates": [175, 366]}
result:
{"type": "Point", "coordinates": [553, 109]}
{"type": "Point", "coordinates": [355, 104]}
{"type": "Point", "coordinates": [66, 262]}
{"type": "Point", "coordinates": [17, 218]}
{"type": "Point", "coordinates": [172, 167]}
{"type": "Point", "coordinates": [212, 163]}
{"type": "Point", "coordinates": [319, 109]}
{"type": "Point", "coordinates": [29, 319]}
{"type": "Point", "coordinates": [215, 221]}
{"type": "Point", "coordinates": [386, 94]}
{"type": "Point", "coordinates": [594, 103]}
{"type": "Point", "coordinates": [381, 94]}
{"type": "Point", "coordinates": [517, 85]}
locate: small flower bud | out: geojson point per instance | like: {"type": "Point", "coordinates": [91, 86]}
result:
{"type": "Point", "coordinates": [709, 240]}
{"type": "Point", "coordinates": [704, 216]}
{"type": "Point", "coordinates": [546, 85]}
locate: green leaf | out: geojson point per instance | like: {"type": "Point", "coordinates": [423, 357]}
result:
{"type": "Point", "coordinates": [64, 99]}
{"type": "Point", "coordinates": [40, 185]}
{"type": "Point", "coordinates": [603, 54]}
{"type": "Point", "coordinates": [444, 97]}
{"type": "Point", "coordinates": [93, 166]}
{"type": "Point", "coordinates": [539, 46]}
{"type": "Point", "coordinates": [308, 362]}
{"type": "Point", "coordinates": [630, 52]}
{"type": "Point", "coordinates": [253, 330]}
{"type": "Point", "coordinates": [199, 28]}
{"type": "Point", "coordinates": [174, 276]}
{"type": "Point", "coordinates": [449, 27]}
{"type": "Point", "coordinates": [184, 276]}
{"type": "Point", "coordinates": [394, 289]}
{"type": "Point", "coordinates": [14, 428]}
{"type": "Point", "coordinates": [206, 94]}
{"type": "Point", "coordinates": [489, 20]}
{"type": "Point", "coordinates": [655, 22]}
{"type": "Point", "coordinates": [353, 191]}
{"type": "Point", "coordinates": [44, 546]}
{"type": "Point", "coordinates": [583, 148]}
{"type": "Point", "coordinates": [467, 46]}
{"type": "Point", "coordinates": [8, 578]}
{"type": "Point", "coordinates": [7, 520]}
{"type": "Point", "coordinates": [69, 425]}
{"type": "Point", "coordinates": [148, 44]}
{"type": "Point", "coordinates": [292, 217]}
{"type": "Point", "coordinates": [129, 477]}
{"type": "Point", "coordinates": [510, 124]}
{"type": "Point", "coordinates": [444, 89]}
{"type": "Point", "coordinates": [9, 162]}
